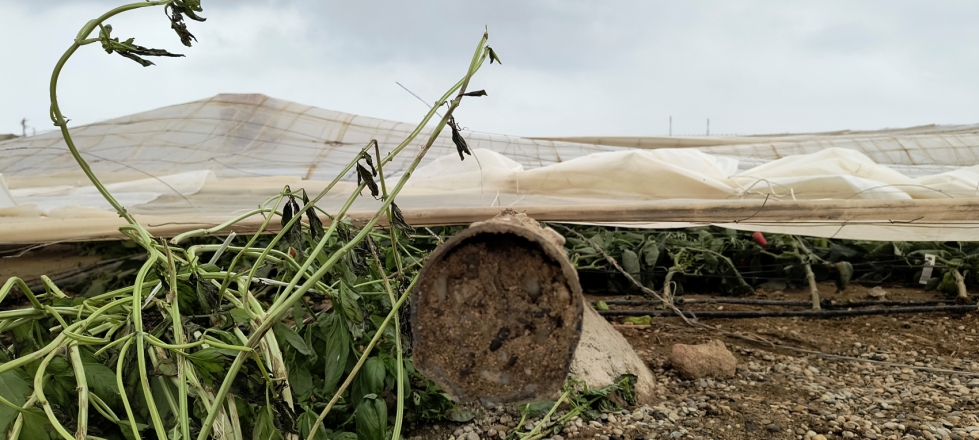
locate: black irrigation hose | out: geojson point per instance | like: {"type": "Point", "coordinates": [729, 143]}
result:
{"type": "Point", "coordinates": [826, 303]}
{"type": "Point", "coordinates": [790, 313]}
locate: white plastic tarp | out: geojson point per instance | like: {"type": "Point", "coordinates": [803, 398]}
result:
{"type": "Point", "coordinates": [204, 162]}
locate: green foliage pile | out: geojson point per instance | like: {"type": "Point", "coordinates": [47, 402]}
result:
{"type": "Point", "coordinates": [718, 260]}
{"type": "Point", "coordinates": [296, 334]}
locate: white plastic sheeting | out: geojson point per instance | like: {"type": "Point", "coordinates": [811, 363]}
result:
{"type": "Point", "coordinates": [203, 162]}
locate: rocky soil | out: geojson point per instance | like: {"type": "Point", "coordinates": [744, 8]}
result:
{"type": "Point", "coordinates": [781, 394]}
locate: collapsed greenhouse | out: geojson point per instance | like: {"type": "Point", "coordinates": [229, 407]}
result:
{"type": "Point", "coordinates": [178, 167]}
{"type": "Point", "coordinates": [651, 219]}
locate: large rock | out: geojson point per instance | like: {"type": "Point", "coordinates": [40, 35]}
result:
{"type": "Point", "coordinates": [604, 355]}
{"type": "Point", "coordinates": [712, 359]}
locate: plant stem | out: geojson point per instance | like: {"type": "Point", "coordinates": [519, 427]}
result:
{"type": "Point", "coordinates": [82, 383]}
{"type": "Point", "coordinates": [59, 119]}
{"type": "Point", "coordinates": [399, 417]}
{"type": "Point", "coordinates": [137, 318]}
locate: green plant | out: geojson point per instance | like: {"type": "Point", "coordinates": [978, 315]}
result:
{"type": "Point", "coordinates": [230, 346]}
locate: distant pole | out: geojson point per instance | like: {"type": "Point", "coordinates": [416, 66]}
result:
{"type": "Point", "coordinates": [708, 126]}
{"type": "Point", "coordinates": [671, 125]}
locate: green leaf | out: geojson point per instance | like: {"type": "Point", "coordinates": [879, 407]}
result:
{"type": "Point", "coordinates": [305, 424]}
{"type": "Point", "coordinates": [650, 253]}
{"type": "Point", "coordinates": [240, 316]}
{"type": "Point", "coordinates": [293, 338]}
{"type": "Point", "coordinates": [301, 381]}
{"type": "Point", "coordinates": [102, 382]}
{"type": "Point", "coordinates": [371, 418]}
{"type": "Point", "coordinates": [37, 426]}
{"type": "Point", "coordinates": [336, 350]}
{"type": "Point", "coordinates": [15, 390]}
{"type": "Point", "coordinates": [601, 305]}
{"type": "Point", "coordinates": [844, 271]}
{"type": "Point", "coordinates": [264, 426]}
{"type": "Point", "coordinates": [537, 409]}
{"type": "Point", "coordinates": [158, 386]}
{"type": "Point", "coordinates": [638, 320]}
{"type": "Point", "coordinates": [370, 379]}
{"type": "Point", "coordinates": [210, 363]}
{"type": "Point", "coordinates": [630, 262]}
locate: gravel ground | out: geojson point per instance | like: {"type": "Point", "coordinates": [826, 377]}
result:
{"type": "Point", "coordinates": [781, 394]}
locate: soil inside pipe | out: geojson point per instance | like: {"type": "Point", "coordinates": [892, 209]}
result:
{"type": "Point", "coordinates": [495, 318]}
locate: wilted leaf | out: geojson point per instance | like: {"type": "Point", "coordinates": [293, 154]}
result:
{"type": "Point", "coordinates": [459, 141]}
{"type": "Point", "coordinates": [315, 225]}
{"type": "Point", "coordinates": [476, 93]}
{"type": "Point", "coordinates": [367, 158]}
{"type": "Point", "coordinates": [293, 235]}
{"type": "Point", "coordinates": [177, 9]}
{"type": "Point", "coordinates": [365, 176]}
{"type": "Point", "coordinates": [128, 49]}
{"type": "Point", "coordinates": [492, 55]}
{"type": "Point", "coordinates": [398, 219]}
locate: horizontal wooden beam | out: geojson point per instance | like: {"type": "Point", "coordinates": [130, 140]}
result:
{"type": "Point", "coordinates": [943, 212]}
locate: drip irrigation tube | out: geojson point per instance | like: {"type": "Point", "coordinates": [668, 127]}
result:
{"type": "Point", "coordinates": [790, 313]}
{"type": "Point", "coordinates": [826, 303]}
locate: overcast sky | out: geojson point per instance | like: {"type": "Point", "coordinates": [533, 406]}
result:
{"type": "Point", "coordinates": [570, 67]}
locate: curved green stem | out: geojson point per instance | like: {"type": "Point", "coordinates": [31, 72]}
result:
{"type": "Point", "coordinates": [59, 119]}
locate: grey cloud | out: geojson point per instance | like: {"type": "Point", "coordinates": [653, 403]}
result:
{"type": "Point", "coordinates": [570, 67]}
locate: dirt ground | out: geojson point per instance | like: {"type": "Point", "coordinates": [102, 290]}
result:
{"type": "Point", "coordinates": [783, 394]}
{"type": "Point", "coordinates": [947, 341]}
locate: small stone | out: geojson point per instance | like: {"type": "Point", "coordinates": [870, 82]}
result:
{"type": "Point", "coordinates": [712, 359]}
{"type": "Point", "coordinates": [472, 436]}
{"type": "Point", "coordinates": [819, 437]}
{"type": "Point", "coordinates": [528, 426]}
{"type": "Point", "coordinates": [611, 418]}
{"type": "Point", "coordinates": [492, 432]}
{"type": "Point", "coordinates": [773, 428]}
{"type": "Point", "coordinates": [677, 434]}
{"type": "Point", "coordinates": [617, 431]}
